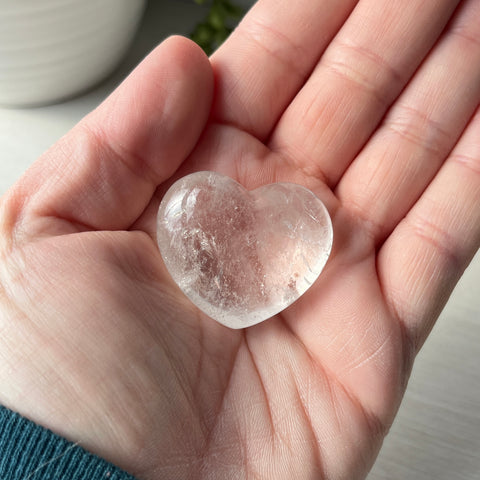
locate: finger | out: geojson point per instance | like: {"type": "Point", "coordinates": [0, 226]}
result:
{"type": "Point", "coordinates": [428, 251]}
{"type": "Point", "coordinates": [390, 174]}
{"type": "Point", "coordinates": [267, 58]}
{"type": "Point", "coordinates": [360, 74]}
{"type": "Point", "coordinates": [102, 174]}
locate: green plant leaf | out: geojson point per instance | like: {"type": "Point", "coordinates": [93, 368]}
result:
{"type": "Point", "coordinates": [216, 17]}
{"type": "Point", "coordinates": [233, 10]}
{"type": "Point", "coordinates": [217, 25]}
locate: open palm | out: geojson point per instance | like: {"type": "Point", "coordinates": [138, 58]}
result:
{"type": "Point", "coordinates": [372, 106]}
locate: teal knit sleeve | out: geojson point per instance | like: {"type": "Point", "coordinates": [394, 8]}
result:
{"type": "Point", "coordinates": [31, 452]}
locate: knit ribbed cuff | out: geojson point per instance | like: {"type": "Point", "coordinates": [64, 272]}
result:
{"type": "Point", "coordinates": [31, 452]}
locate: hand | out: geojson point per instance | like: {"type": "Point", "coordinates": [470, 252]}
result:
{"type": "Point", "coordinates": [369, 104]}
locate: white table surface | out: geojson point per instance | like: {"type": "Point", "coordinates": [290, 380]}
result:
{"type": "Point", "coordinates": [437, 432]}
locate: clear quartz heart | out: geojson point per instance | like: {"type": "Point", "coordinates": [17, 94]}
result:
{"type": "Point", "coordinates": [240, 256]}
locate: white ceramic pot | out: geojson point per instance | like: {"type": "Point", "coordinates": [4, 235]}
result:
{"type": "Point", "coordinates": [52, 49]}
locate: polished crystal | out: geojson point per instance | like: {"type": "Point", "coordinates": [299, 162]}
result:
{"type": "Point", "coordinates": [242, 256]}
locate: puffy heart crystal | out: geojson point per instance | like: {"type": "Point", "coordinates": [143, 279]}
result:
{"type": "Point", "coordinates": [240, 256]}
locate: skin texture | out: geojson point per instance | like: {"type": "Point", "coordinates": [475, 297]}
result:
{"type": "Point", "coordinates": [373, 105]}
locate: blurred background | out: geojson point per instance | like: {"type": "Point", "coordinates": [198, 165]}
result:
{"type": "Point", "coordinates": [437, 432]}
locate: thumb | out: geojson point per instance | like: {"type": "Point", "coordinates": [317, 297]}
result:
{"type": "Point", "coordinates": [103, 173]}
